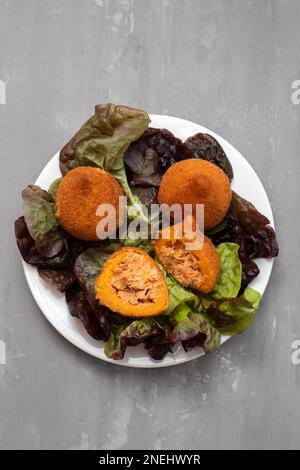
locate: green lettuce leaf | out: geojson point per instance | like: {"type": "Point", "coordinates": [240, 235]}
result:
{"type": "Point", "coordinates": [39, 214]}
{"type": "Point", "coordinates": [53, 188]}
{"type": "Point", "coordinates": [125, 335]}
{"type": "Point", "coordinates": [230, 279]}
{"type": "Point", "coordinates": [213, 336]}
{"type": "Point", "coordinates": [188, 323]}
{"type": "Point", "coordinates": [177, 294]}
{"type": "Point", "coordinates": [232, 315]}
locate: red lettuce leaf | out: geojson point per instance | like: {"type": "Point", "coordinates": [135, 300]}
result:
{"type": "Point", "coordinates": [61, 279]}
{"type": "Point", "coordinates": [232, 316]}
{"type": "Point", "coordinates": [72, 248]}
{"type": "Point", "coordinates": [194, 342]}
{"type": "Point", "coordinates": [106, 136]}
{"type": "Point", "coordinates": [31, 255]}
{"type": "Point", "coordinates": [206, 147]}
{"type": "Point", "coordinates": [157, 347]}
{"type": "Point", "coordinates": [250, 229]}
{"type": "Point", "coordinates": [96, 325]}
{"type": "Point", "coordinates": [88, 265]}
{"type": "Point", "coordinates": [148, 158]}
{"type": "Point", "coordinates": [130, 334]}
{"type": "Point", "coordinates": [146, 194]}
{"type": "Point", "coordinates": [39, 214]}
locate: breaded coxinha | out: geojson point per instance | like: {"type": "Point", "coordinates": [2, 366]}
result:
{"type": "Point", "coordinates": [194, 181]}
{"type": "Point", "coordinates": [79, 195]}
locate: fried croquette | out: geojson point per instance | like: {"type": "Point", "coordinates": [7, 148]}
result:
{"type": "Point", "coordinates": [196, 268]}
{"type": "Point", "coordinates": [132, 284]}
{"type": "Point", "coordinates": [79, 195]}
{"type": "Point", "coordinates": [194, 181]}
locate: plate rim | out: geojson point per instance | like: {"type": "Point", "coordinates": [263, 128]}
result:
{"type": "Point", "coordinates": [63, 331]}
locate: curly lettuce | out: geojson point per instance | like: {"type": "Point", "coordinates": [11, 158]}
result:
{"type": "Point", "coordinates": [43, 227]}
{"type": "Point", "coordinates": [178, 294]}
{"type": "Point", "coordinates": [232, 316]}
{"type": "Point", "coordinates": [189, 323]}
{"type": "Point", "coordinates": [88, 266]}
{"type": "Point", "coordinates": [129, 335]}
{"type": "Point", "coordinates": [250, 229]}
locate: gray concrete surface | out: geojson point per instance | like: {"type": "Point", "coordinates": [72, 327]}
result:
{"type": "Point", "coordinates": [228, 65]}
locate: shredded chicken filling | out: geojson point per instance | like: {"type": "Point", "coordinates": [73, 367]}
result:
{"type": "Point", "coordinates": [135, 281]}
{"type": "Point", "coordinates": [182, 264]}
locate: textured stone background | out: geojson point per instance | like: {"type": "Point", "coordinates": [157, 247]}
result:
{"type": "Point", "coordinates": [228, 65]}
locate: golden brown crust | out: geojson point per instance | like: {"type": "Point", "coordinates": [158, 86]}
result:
{"type": "Point", "coordinates": [79, 194]}
{"type": "Point", "coordinates": [195, 181]}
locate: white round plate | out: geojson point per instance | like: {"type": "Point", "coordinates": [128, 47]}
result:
{"type": "Point", "coordinates": [245, 182]}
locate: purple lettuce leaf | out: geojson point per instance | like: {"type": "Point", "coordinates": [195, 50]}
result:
{"type": "Point", "coordinates": [30, 253]}
{"type": "Point", "coordinates": [232, 316]}
{"type": "Point", "coordinates": [61, 279]}
{"type": "Point", "coordinates": [39, 214]}
{"type": "Point", "coordinates": [148, 158]}
{"type": "Point", "coordinates": [206, 147]}
{"type": "Point", "coordinates": [194, 342]}
{"type": "Point", "coordinates": [157, 347]}
{"type": "Point", "coordinates": [130, 334]}
{"type": "Point", "coordinates": [88, 266]}
{"type": "Point", "coordinates": [250, 229]}
{"type": "Point", "coordinates": [97, 325]}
